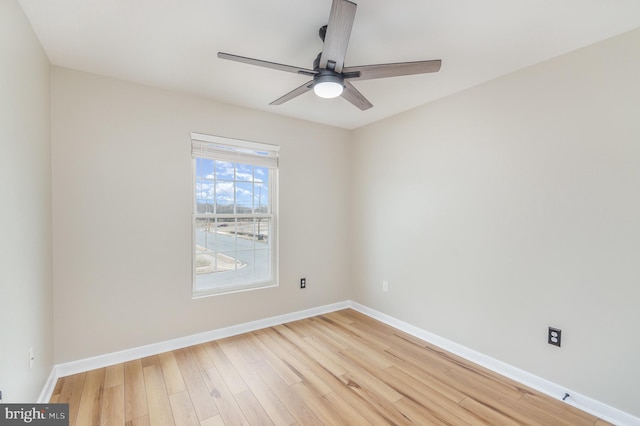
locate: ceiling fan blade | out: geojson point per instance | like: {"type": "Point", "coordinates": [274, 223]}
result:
{"type": "Point", "coordinates": [294, 93]}
{"type": "Point", "coordinates": [352, 94]}
{"type": "Point", "coordinates": [266, 64]}
{"type": "Point", "coordinates": [338, 32]}
{"type": "Point", "coordinates": [368, 72]}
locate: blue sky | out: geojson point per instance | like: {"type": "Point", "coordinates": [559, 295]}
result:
{"type": "Point", "coordinates": [218, 180]}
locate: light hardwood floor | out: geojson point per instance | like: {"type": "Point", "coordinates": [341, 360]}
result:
{"type": "Point", "coordinates": [334, 369]}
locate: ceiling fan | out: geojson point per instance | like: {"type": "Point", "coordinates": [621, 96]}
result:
{"type": "Point", "coordinates": [330, 77]}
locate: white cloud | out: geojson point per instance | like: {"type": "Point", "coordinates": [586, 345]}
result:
{"type": "Point", "coordinates": [224, 188]}
{"type": "Point", "coordinates": [244, 176]}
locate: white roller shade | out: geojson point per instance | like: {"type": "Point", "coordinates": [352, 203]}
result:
{"type": "Point", "coordinates": [234, 150]}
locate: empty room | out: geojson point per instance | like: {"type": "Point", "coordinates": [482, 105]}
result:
{"type": "Point", "coordinates": [320, 212]}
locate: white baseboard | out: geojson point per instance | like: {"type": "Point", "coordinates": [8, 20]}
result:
{"type": "Point", "coordinates": [544, 386]}
{"type": "Point", "coordinates": [49, 386]}
{"type": "Point", "coordinates": [82, 365]}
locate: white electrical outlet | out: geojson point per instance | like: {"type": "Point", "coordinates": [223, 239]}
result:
{"type": "Point", "coordinates": [31, 358]}
{"type": "Point", "coordinates": [385, 286]}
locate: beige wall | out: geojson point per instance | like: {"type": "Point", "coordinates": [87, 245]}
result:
{"type": "Point", "coordinates": [25, 209]}
{"type": "Point", "coordinates": [511, 207]}
{"type": "Point", "coordinates": [122, 214]}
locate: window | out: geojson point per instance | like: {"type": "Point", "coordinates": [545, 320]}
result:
{"type": "Point", "coordinates": [234, 215]}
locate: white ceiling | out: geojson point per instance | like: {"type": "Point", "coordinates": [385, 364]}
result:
{"type": "Point", "coordinates": [173, 44]}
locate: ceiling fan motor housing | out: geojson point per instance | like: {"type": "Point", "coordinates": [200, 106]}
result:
{"type": "Point", "coordinates": [328, 76]}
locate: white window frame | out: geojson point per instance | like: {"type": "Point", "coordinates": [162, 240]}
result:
{"type": "Point", "coordinates": [242, 152]}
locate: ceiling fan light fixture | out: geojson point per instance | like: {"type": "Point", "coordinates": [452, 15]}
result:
{"type": "Point", "coordinates": [328, 86]}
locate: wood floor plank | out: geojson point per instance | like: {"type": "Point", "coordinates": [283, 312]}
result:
{"type": "Point", "coordinates": [287, 396]}
{"type": "Point", "coordinates": [489, 413]}
{"type": "Point", "coordinates": [70, 393]}
{"type": "Point", "coordinates": [562, 412]}
{"type": "Point", "coordinates": [347, 411]}
{"type": "Point", "coordinates": [350, 342]}
{"type": "Point", "coordinates": [483, 391]}
{"type": "Point", "coordinates": [415, 355]}
{"type": "Point", "coordinates": [56, 391]}
{"type": "Point", "coordinates": [139, 421]}
{"type": "Point", "coordinates": [112, 413]}
{"type": "Point", "coordinates": [283, 370]}
{"type": "Point", "coordinates": [372, 337]}
{"type": "Point", "coordinates": [201, 357]}
{"type": "Point", "coordinates": [252, 409]}
{"type": "Point", "coordinates": [429, 396]}
{"type": "Point", "coordinates": [373, 382]}
{"type": "Point", "coordinates": [418, 415]}
{"type": "Point", "coordinates": [365, 376]}
{"type": "Point", "coordinates": [213, 421]}
{"type": "Point", "coordinates": [305, 346]}
{"type": "Point", "coordinates": [247, 353]}
{"type": "Point", "coordinates": [381, 404]}
{"type": "Point", "coordinates": [202, 401]}
{"type": "Point", "coordinates": [340, 338]}
{"type": "Point", "coordinates": [149, 360]}
{"type": "Point", "coordinates": [225, 367]}
{"type": "Point", "coordinates": [277, 412]}
{"type": "Point", "coordinates": [91, 401]}
{"type": "Point", "coordinates": [114, 375]}
{"type": "Point", "coordinates": [344, 315]}
{"type": "Point", "coordinates": [529, 415]}
{"type": "Point", "coordinates": [277, 337]}
{"type": "Point", "coordinates": [432, 378]}
{"type": "Point", "coordinates": [157, 399]}
{"type": "Point", "coordinates": [306, 372]}
{"type": "Point", "coordinates": [135, 396]}
{"type": "Point", "coordinates": [341, 391]}
{"type": "Point", "coordinates": [171, 372]}
{"type": "Point", "coordinates": [227, 406]}
{"type": "Point", "coordinates": [183, 412]}
{"type": "Point", "coordinates": [319, 406]}
{"type": "Point", "coordinates": [340, 368]}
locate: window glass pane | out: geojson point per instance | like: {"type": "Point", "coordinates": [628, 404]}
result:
{"type": "Point", "coordinates": [224, 170]}
{"type": "Point", "coordinates": [201, 200]}
{"type": "Point", "coordinates": [204, 168]}
{"type": "Point", "coordinates": [224, 235]}
{"type": "Point", "coordinates": [261, 174]}
{"type": "Point", "coordinates": [225, 196]}
{"type": "Point", "coordinates": [203, 228]}
{"type": "Point", "coordinates": [262, 230]}
{"type": "Point", "coordinates": [236, 251]}
{"type": "Point", "coordinates": [204, 185]}
{"type": "Point", "coordinates": [261, 197]}
{"type": "Point", "coordinates": [244, 197]}
{"type": "Point", "coordinates": [246, 231]}
{"type": "Point", "coordinates": [204, 195]}
{"type": "Point", "coordinates": [244, 172]}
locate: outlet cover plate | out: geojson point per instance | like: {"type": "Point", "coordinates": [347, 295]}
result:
{"type": "Point", "coordinates": [554, 337]}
